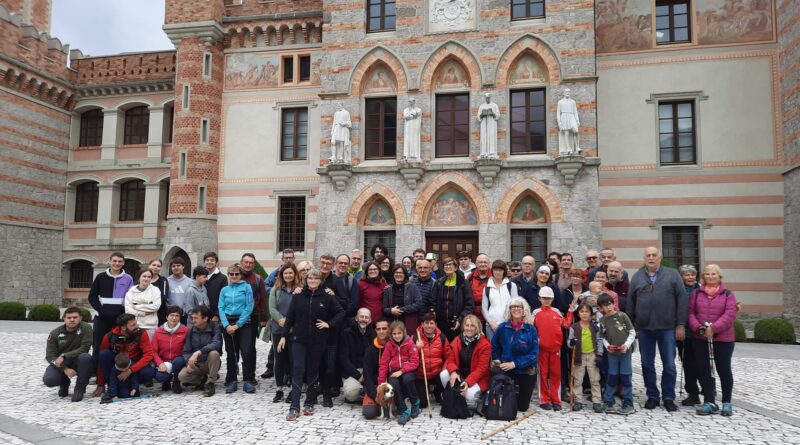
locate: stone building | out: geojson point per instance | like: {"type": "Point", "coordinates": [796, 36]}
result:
{"type": "Point", "coordinates": [688, 135]}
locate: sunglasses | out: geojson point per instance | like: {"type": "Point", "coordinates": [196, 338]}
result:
{"type": "Point", "coordinates": [591, 257]}
{"type": "Point", "coordinates": [516, 270]}
{"type": "Point", "coordinates": [233, 274]}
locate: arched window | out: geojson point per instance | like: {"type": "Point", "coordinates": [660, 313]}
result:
{"type": "Point", "coordinates": [137, 121]}
{"type": "Point", "coordinates": [131, 267]}
{"type": "Point", "coordinates": [91, 128]}
{"type": "Point", "coordinates": [86, 196]}
{"type": "Point", "coordinates": [80, 274]}
{"type": "Point", "coordinates": [131, 200]}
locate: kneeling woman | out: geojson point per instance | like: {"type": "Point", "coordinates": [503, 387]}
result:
{"type": "Point", "coordinates": [468, 362]}
{"type": "Point", "coordinates": [515, 349]}
{"type": "Point", "coordinates": [311, 314]}
{"type": "Point", "coordinates": [399, 364]}
{"type": "Point", "coordinates": [168, 342]}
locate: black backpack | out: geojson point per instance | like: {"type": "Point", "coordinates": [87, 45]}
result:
{"type": "Point", "coordinates": [454, 405]}
{"type": "Point", "coordinates": [486, 293]}
{"type": "Point", "coordinates": [500, 402]}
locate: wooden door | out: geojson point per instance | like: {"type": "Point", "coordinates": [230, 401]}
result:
{"type": "Point", "coordinates": [448, 244]}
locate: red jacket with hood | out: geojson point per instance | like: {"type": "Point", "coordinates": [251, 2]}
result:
{"type": "Point", "coordinates": [398, 357]}
{"type": "Point", "coordinates": [137, 347]}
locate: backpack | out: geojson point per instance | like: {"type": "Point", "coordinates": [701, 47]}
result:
{"type": "Point", "coordinates": [454, 405]}
{"type": "Point", "coordinates": [500, 402]}
{"type": "Point", "coordinates": [486, 293]}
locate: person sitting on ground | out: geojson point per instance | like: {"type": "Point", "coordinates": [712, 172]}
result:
{"type": "Point", "coordinates": [617, 334]}
{"type": "Point", "coordinates": [372, 359]}
{"type": "Point", "coordinates": [583, 340]}
{"type": "Point", "coordinates": [168, 342]}
{"type": "Point", "coordinates": [398, 367]}
{"type": "Point", "coordinates": [201, 352]}
{"type": "Point", "coordinates": [144, 301]}
{"type": "Point", "coordinates": [119, 388]}
{"type": "Point", "coordinates": [467, 366]}
{"type": "Point", "coordinates": [128, 338]}
{"type": "Point", "coordinates": [435, 350]}
{"type": "Point", "coordinates": [68, 355]}
{"type": "Point", "coordinates": [197, 294]}
{"type": "Point", "coordinates": [515, 348]}
{"type": "Point", "coordinates": [356, 337]}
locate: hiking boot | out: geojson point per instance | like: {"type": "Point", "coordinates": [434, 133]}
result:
{"type": "Point", "coordinates": [77, 395]}
{"type": "Point", "coordinates": [278, 396]}
{"type": "Point", "coordinates": [268, 374]}
{"type": "Point", "coordinates": [556, 407]}
{"type": "Point", "coordinates": [651, 404]}
{"type": "Point", "coordinates": [308, 410]}
{"type": "Point", "coordinates": [727, 410]}
{"type": "Point", "coordinates": [327, 400]}
{"type": "Point", "coordinates": [210, 390]}
{"type": "Point", "coordinates": [670, 406]}
{"type": "Point", "coordinates": [232, 388]}
{"type": "Point", "coordinates": [415, 410]}
{"type": "Point", "coordinates": [577, 406]}
{"type": "Point", "coordinates": [149, 384]}
{"type": "Point", "coordinates": [706, 409]}
{"type": "Point", "coordinates": [403, 419]}
{"type": "Point", "coordinates": [546, 406]}
{"type": "Point", "coordinates": [597, 407]}
{"type": "Point", "coordinates": [292, 416]}
{"type": "Point", "coordinates": [177, 388]}
{"type": "Point", "coordinates": [692, 400]}
{"type": "Point", "coordinates": [248, 388]}
{"type": "Point", "coordinates": [167, 386]}
{"type": "Point", "coordinates": [63, 390]}
{"type": "Point", "coordinates": [609, 408]}
{"type": "Point", "coordinates": [626, 409]}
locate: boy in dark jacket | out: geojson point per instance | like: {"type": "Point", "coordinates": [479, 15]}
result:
{"type": "Point", "coordinates": [617, 334]}
{"type": "Point", "coordinates": [121, 388]}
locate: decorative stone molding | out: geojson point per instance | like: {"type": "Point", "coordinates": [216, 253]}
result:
{"type": "Point", "coordinates": [150, 86]}
{"type": "Point", "coordinates": [340, 174]}
{"type": "Point", "coordinates": [413, 172]}
{"type": "Point", "coordinates": [209, 32]}
{"type": "Point", "coordinates": [488, 168]}
{"type": "Point", "coordinates": [569, 166]}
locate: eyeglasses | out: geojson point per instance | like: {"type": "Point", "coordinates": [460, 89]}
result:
{"type": "Point", "coordinates": [515, 306]}
{"type": "Point", "coordinates": [591, 257]}
{"type": "Point", "coordinates": [516, 270]}
{"type": "Point", "coordinates": [233, 274]}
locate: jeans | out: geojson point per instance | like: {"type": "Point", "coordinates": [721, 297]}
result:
{"type": "Point", "coordinates": [306, 360]}
{"type": "Point", "coordinates": [723, 351]}
{"type": "Point", "coordinates": [177, 364]}
{"type": "Point", "coordinates": [145, 375]}
{"type": "Point", "coordinates": [241, 343]}
{"type": "Point", "coordinates": [82, 364]}
{"type": "Point", "coordinates": [619, 373]}
{"type": "Point", "coordinates": [665, 340]}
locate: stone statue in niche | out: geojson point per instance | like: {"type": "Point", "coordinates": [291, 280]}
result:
{"type": "Point", "coordinates": [412, 116]}
{"type": "Point", "coordinates": [488, 114]}
{"type": "Point", "coordinates": [568, 125]}
{"type": "Point", "coordinates": [340, 136]}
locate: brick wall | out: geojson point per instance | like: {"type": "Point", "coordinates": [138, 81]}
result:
{"type": "Point", "coordinates": [182, 11]}
{"type": "Point", "coordinates": [125, 68]}
{"type": "Point", "coordinates": [257, 7]}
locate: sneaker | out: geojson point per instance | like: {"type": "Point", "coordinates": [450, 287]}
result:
{"type": "Point", "coordinates": [63, 391]}
{"type": "Point", "coordinates": [248, 388]}
{"type": "Point", "coordinates": [278, 396]}
{"type": "Point", "coordinates": [232, 388]}
{"type": "Point", "coordinates": [597, 407]}
{"type": "Point", "coordinates": [327, 401]}
{"type": "Point", "coordinates": [577, 406]}
{"type": "Point", "coordinates": [626, 409]}
{"type": "Point", "coordinates": [727, 410]}
{"type": "Point", "coordinates": [546, 406]}
{"type": "Point", "coordinates": [77, 395]}
{"type": "Point", "coordinates": [692, 400]}
{"type": "Point", "coordinates": [288, 398]}
{"type": "Point", "coordinates": [308, 410]}
{"type": "Point", "coordinates": [268, 374]}
{"type": "Point", "coordinates": [670, 406]}
{"type": "Point", "coordinates": [403, 419]}
{"type": "Point", "coordinates": [415, 410]}
{"type": "Point", "coordinates": [609, 408]}
{"type": "Point", "coordinates": [292, 416]}
{"type": "Point", "coordinates": [177, 388]}
{"type": "Point", "coordinates": [105, 398]}
{"type": "Point", "coordinates": [556, 407]}
{"type": "Point", "coordinates": [651, 404]}
{"type": "Point", "coordinates": [209, 390]}
{"type": "Point", "coordinates": [706, 409]}
{"type": "Point", "coordinates": [167, 386]}
{"type": "Point", "coordinates": [149, 384]}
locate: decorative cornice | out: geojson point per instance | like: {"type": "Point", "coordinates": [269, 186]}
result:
{"type": "Point", "coordinates": [317, 13]}
{"type": "Point", "coordinates": [209, 32]}
{"type": "Point", "coordinates": [114, 89]}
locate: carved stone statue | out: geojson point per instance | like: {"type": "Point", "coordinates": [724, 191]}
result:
{"type": "Point", "coordinates": [568, 125]}
{"type": "Point", "coordinates": [412, 116]}
{"type": "Point", "coordinates": [340, 136]}
{"type": "Point", "coordinates": [488, 114]}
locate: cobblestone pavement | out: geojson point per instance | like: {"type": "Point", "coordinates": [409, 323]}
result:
{"type": "Point", "coordinates": [244, 418]}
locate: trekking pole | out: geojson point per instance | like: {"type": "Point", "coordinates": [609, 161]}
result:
{"type": "Point", "coordinates": [710, 341]}
{"type": "Point", "coordinates": [681, 356]}
{"type": "Point", "coordinates": [527, 414]}
{"type": "Point", "coordinates": [425, 376]}
{"type": "Point", "coordinates": [571, 383]}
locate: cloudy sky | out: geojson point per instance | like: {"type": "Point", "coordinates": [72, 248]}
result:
{"type": "Point", "coordinates": [102, 27]}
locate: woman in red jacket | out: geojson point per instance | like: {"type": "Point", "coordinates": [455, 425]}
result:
{"type": "Point", "coordinates": [399, 364]}
{"type": "Point", "coordinates": [370, 290]}
{"type": "Point", "coordinates": [468, 362]}
{"type": "Point", "coordinates": [168, 343]}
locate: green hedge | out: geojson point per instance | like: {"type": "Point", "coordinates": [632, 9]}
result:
{"type": "Point", "coordinates": [774, 330]}
{"type": "Point", "coordinates": [44, 312]}
{"type": "Point", "coordinates": [12, 310]}
{"type": "Point", "coordinates": [259, 269]}
{"type": "Point", "coordinates": [738, 328]}
{"type": "Point", "coordinates": [86, 315]}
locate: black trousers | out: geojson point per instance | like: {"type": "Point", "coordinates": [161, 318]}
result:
{"type": "Point", "coordinates": [283, 363]}
{"type": "Point", "coordinates": [330, 371]}
{"type": "Point", "coordinates": [241, 343]}
{"type": "Point", "coordinates": [82, 364]}
{"type": "Point", "coordinates": [723, 351]}
{"type": "Point", "coordinates": [422, 390]}
{"type": "Point", "coordinates": [689, 363]}
{"type": "Point", "coordinates": [100, 328]}
{"type": "Point", "coordinates": [404, 386]}
{"type": "Point", "coordinates": [525, 384]}
{"type": "Point", "coordinates": [306, 363]}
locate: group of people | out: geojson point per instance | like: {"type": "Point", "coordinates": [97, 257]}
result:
{"type": "Point", "coordinates": [345, 327]}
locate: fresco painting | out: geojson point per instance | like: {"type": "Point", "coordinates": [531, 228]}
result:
{"type": "Point", "coordinates": [451, 208]}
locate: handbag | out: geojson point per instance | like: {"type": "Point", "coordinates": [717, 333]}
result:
{"type": "Point", "coordinates": [454, 405]}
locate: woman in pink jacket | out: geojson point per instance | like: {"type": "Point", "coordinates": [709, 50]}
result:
{"type": "Point", "coordinates": [398, 366]}
{"type": "Point", "coordinates": [712, 311]}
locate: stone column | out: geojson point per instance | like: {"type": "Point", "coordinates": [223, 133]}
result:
{"type": "Point", "coordinates": [113, 128]}
{"type": "Point", "coordinates": [151, 199]}
{"type": "Point", "coordinates": [105, 210]}
{"type": "Point", "coordinates": [155, 133]}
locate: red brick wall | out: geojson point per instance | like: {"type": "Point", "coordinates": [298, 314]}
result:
{"type": "Point", "coordinates": [125, 68]}
{"type": "Point", "coordinates": [182, 11]}
{"type": "Point", "coordinates": [256, 7]}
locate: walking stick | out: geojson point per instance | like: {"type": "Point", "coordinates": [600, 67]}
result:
{"type": "Point", "coordinates": [711, 357]}
{"type": "Point", "coordinates": [681, 356]}
{"type": "Point", "coordinates": [425, 376]}
{"type": "Point", "coordinates": [571, 383]}
{"type": "Point", "coordinates": [527, 414]}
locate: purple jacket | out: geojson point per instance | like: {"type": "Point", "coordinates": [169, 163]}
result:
{"type": "Point", "coordinates": [720, 311]}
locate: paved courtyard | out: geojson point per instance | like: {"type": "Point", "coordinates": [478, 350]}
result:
{"type": "Point", "coordinates": [765, 395]}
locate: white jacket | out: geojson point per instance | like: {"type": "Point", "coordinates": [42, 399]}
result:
{"type": "Point", "coordinates": [494, 307]}
{"type": "Point", "coordinates": [144, 304]}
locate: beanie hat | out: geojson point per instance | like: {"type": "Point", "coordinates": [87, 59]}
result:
{"type": "Point", "coordinates": [543, 269]}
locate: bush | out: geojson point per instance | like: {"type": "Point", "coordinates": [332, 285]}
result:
{"type": "Point", "coordinates": [774, 330]}
{"type": "Point", "coordinates": [259, 269]}
{"type": "Point", "coordinates": [44, 312]}
{"type": "Point", "coordinates": [12, 310]}
{"type": "Point", "coordinates": [86, 315]}
{"type": "Point", "coordinates": [738, 328]}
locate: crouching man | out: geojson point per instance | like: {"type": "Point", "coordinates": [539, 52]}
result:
{"type": "Point", "coordinates": [202, 352]}
{"type": "Point", "coordinates": [68, 355]}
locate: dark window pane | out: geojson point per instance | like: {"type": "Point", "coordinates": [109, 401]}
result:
{"type": "Point", "coordinates": [131, 200]}
{"type": "Point", "coordinates": [677, 136]}
{"type": "Point", "coordinates": [673, 23]}
{"type": "Point", "coordinates": [527, 121]}
{"type": "Point", "coordinates": [681, 245]}
{"type": "Point", "coordinates": [294, 128]}
{"type": "Point", "coordinates": [380, 128]}
{"type": "Point", "coordinates": [86, 196]}
{"type": "Point", "coordinates": [681, 34]}
{"type": "Point", "coordinates": [81, 275]}
{"type": "Point", "coordinates": [292, 223]}
{"type": "Point", "coordinates": [288, 69]}
{"type": "Point", "coordinates": [385, 237]}
{"type": "Point", "coordinates": [91, 134]}
{"type": "Point", "coordinates": [452, 125]}
{"type": "Point", "coordinates": [529, 242]}
{"type": "Point", "coordinates": [305, 68]}
{"type": "Point", "coordinates": [137, 122]}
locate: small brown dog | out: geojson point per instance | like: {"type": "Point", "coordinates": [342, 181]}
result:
{"type": "Point", "coordinates": [385, 399]}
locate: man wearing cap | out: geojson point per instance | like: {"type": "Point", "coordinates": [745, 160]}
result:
{"type": "Point", "coordinates": [465, 264]}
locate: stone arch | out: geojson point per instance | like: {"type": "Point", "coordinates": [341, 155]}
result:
{"type": "Point", "coordinates": [131, 103]}
{"type": "Point", "coordinates": [79, 257]}
{"type": "Point", "coordinates": [378, 54]}
{"type": "Point", "coordinates": [529, 186]}
{"type": "Point", "coordinates": [374, 191]}
{"type": "Point", "coordinates": [528, 44]}
{"type": "Point", "coordinates": [86, 106]}
{"type": "Point", "coordinates": [80, 179]}
{"type": "Point", "coordinates": [128, 176]}
{"type": "Point", "coordinates": [450, 50]}
{"type": "Point", "coordinates": [177, 251]}
{"type": "Point", "coordinates": [458, 181]}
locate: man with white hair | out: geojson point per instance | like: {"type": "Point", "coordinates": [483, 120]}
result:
{"type": "Point", "coordinates": [353, 343]}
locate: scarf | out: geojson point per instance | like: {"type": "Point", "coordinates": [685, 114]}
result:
{"type": "Point", "coordinates": [712, 291]}
{"type": "Point", "coordinates": [516, 325]}
{"type": "Point", "coordinates": [170, 331]}
{"type": "Point", "coordinates": [469, 340]}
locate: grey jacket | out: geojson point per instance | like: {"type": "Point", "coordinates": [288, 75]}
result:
{"type": "Point", "coordinates": [659, 305]}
